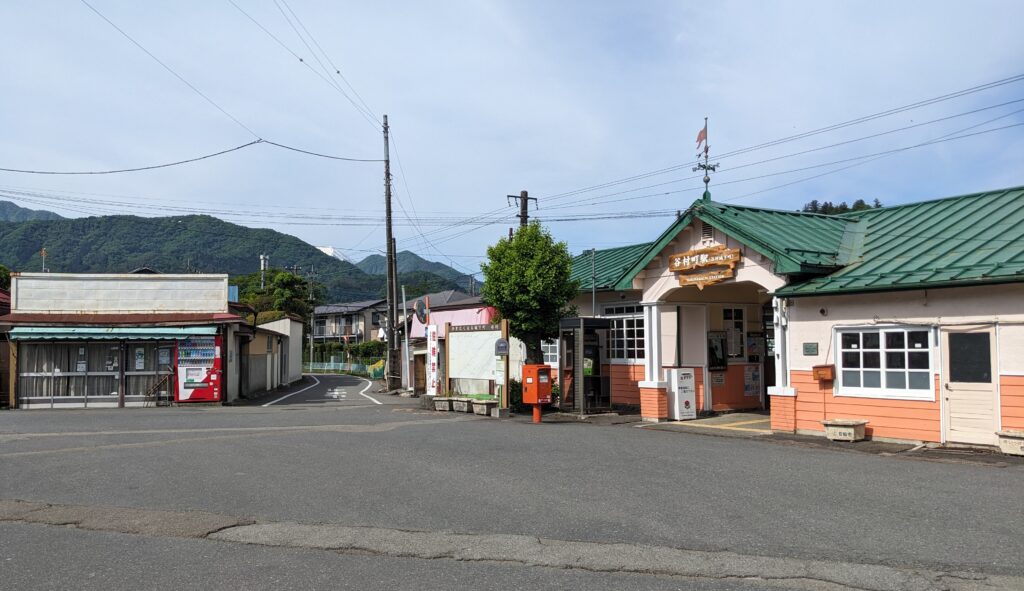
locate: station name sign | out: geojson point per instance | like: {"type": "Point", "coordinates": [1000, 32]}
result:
{"type": "Point", "coordinates": [716, 264]}
{"type": "Point", "coordinates": [705, 257]}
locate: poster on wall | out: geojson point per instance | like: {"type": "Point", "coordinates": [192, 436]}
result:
{"type": "Point", "coordinates": [717, 360]}
{"type": "Point", "coordinates": [755, 346]}
{"type": "Point", "coordinates": [433, 375]}
{"type": "Point", "coordinates": [685, 406]}
{"type": "Point", "coordinates": [140, 359]}
{"type": "Point", "coordinates": [752, 380]}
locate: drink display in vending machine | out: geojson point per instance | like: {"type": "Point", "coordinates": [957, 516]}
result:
{"type": "Point", "coordinates": [199, 370]}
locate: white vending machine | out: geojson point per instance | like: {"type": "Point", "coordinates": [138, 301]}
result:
{"type": "Point", "coordinates": [682, 397]}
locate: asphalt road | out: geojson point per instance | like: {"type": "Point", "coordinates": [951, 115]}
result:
{"type": "Point", "coordinates": [339, 453]}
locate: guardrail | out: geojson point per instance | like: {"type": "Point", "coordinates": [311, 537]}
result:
{"type": "Point", "coordinates": [372, 371]}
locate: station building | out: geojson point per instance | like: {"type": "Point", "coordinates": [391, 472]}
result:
{"type": "Point", "coordinates": [909, 317]}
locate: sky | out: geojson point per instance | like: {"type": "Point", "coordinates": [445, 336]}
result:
{"type": "Point", "coordinates": [486, 99]}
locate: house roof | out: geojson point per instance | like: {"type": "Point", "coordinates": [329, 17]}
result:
{"type": "Point", "coordinates": [347, 307]}
{"type": "Point", "coordinates": [441, 298]}
{"type": "Point", "coordinates": [606, 265]}
{"type": "Point", "coordinates": [797, 242]}
{"type": "Point", "coordinates": [964, 240]}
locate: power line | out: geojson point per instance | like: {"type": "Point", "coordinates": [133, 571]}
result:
{"type": "Point", "coordinates": [169, 69]}
{"type": "Point", "coordinates": [800, 153]}
{"type": "Point", "coordinates": [863, 119]}
{"type": "Point", "coordinates": [138, 169]}
{"type": "Point", "coordinates": [187, 161]}
{"type": "Point", "coordinates": [336, 69]}
{"type": "Point", "coordinates": [373, 123]}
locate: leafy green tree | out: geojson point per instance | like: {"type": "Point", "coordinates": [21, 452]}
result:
{"type": "Point", "coordinates": [526, 278]}
{"type": "Point", "coordinates": [283, 291]}
{"type": "Point", "coordinates": [5, 277]}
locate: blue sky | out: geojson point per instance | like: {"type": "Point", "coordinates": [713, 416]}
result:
{"type": "Point", "coordinates": [489, 98]}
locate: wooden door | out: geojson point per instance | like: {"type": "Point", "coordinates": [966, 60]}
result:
{"type": "Point", "coordinates": [969, 385]}
{"type": "Point", "coordinates": [419, 374]}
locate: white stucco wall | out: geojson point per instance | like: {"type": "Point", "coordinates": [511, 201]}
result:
{"type": "Point", "coordinates": [999, 304]}
{"type": "Point", "coordinates": [72, 293]}
{"type": "Point", "coordinates": [293, 330]}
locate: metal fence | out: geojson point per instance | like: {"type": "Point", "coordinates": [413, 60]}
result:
{"type": "Point", "coordinates": [373, 369]}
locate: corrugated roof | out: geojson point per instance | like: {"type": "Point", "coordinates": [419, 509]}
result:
{"type": "Point", "coordinates": [965, 240]}
{"type": "Point", "coordinates": [136, 319]}
{"type": "Point", "coordinates": [610, 264]}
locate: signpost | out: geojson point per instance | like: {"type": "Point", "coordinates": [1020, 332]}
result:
{"type": "Point", "coordinates": [433, 373]}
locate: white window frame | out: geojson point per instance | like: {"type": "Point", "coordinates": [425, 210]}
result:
{"type": "Point", "coordinates": [618, 319]}
{"type": "Point", "coordinates": [882, 392]}
{"type": "Point", "coordinates": [726, 326]}
{"type": "Point", "coordinates": [550, 350]}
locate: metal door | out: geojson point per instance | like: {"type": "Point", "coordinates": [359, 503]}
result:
{"type": "Point", "coordinates": [969, 385]}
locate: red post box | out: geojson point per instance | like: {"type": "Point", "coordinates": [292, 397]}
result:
{"type": "Point", "coordinates": [536, 387]}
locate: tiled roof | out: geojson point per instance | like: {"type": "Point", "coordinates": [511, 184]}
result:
{"type": "Point", "coordinates": [347, 307]}
{"type": "Point", "coordinates": [966, 240]}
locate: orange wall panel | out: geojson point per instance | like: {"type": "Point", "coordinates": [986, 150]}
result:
{"type": "Point", "coordinates": [895, 419]}
{"type": "Point", "coordinates": [624, 381]}
{"type": "Point", "coordinates": [1011, 401]}
{"type": "Point", "coordinates": [653, 403]}
{"type": "Point", "coordinates": [783, 413]}
{"type": "Point", "coordinates": [730, 395]}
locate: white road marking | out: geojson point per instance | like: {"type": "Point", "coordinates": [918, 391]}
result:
{"type": "Point", "coordinates": [295, 392]}
{"type": "Point", "coordinates": [363, 393]}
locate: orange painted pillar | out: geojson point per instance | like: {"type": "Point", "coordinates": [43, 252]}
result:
{"type": "Point", "coordinates": [653, 404]}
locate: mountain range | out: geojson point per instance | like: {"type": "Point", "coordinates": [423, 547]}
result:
{"type": "Point", "coordinates": [193, 244]}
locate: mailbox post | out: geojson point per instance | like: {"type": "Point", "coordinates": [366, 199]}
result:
{"type": "Point", "coordinates": [536, 387]}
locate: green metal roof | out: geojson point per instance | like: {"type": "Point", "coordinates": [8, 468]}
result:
{"type": "Point", "coordinates": [87, 333]}
{"type": "Point", "coordinates": [608, 264]}
{"type": "Point", "coordinates": [966, 240]}
{"type": "Point", "coordinates": [797, 242]}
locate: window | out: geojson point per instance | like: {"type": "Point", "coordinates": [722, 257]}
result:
{"type": "Point", "coordinates": [376, 317]}
{"type": "Point", "coordinates": [885, 363]}
{"type": "Point", "coordinates": [320, 329]}
{"type": "Point", "coordinates": [626, 334]}
{"type": "Point", "coordinates": [707, 233]}
{"type": "Point", "coordinates": [735, 333]}
{"type": "Point", "coordinates": [550, 350]}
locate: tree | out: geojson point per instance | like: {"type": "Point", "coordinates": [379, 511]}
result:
{"type": "Point", "coordinates": [527, 279]}
{"type": "Point", "coordinates": [284, 291]}
{"type": "Point", "coordinates": [5, 277]}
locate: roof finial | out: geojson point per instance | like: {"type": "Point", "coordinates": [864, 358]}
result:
{"type": "Point", "coordinates": [702, 136]}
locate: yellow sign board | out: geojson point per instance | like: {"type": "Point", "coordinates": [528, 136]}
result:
{"type": "Point", "coordinates": [705, 278]}
{"type": "Point", "coordinates": [705, 257]}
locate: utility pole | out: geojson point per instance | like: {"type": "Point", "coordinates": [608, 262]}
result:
{"type": "Point", "coordinates": [392, 349]}
{"type": "Point", "coordinates": [524, 201]}
{"type": "Point", "coordinates": [406, 381]}
{"type": "Point", "coordinates": [312, 314]}
{"type": "Point", "coordinates": [264, 260]}
{"type": "Point", "coordinates": [593, 283]}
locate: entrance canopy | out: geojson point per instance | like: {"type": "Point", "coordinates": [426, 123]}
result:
{"type": "Point", "coordinates": [93, 333]}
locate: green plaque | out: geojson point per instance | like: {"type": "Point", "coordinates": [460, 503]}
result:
{"type": "Point", "coordinates": [810, 348]}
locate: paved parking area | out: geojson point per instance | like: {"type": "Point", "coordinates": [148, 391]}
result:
{"type": "Point", "coordinates": [737, 424]}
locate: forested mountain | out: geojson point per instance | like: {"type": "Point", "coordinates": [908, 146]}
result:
{"type": "Point", "coordinates": [184, 244]}
{"type": "Point", "coordinates": [10, 212]}
{"type": "Point", "coordinates": [410, 262]}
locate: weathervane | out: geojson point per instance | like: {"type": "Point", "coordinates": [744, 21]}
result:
{"type": "Point", "coordinates": [702, 137]}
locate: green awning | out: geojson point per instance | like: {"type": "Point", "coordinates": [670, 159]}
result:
{"type": "Point", "coordinates": [108, 333]}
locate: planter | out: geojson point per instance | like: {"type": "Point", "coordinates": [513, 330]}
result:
{"type": "Point", "coordinates": [1011, 442]}
{"type": "Point", "coordinates": [462, 404]}
{"type": "Point", "coordinates": [442, 403]}
{"type": "Point", "coordinates": [844, 429]}
{"type": "Point", "coordinates": [484, 407]}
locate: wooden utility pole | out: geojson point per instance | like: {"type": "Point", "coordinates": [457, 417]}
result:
{"type": "Point", "coordinates": [390, 364]}
{"type": "Point", "coordinates": [524, 201]}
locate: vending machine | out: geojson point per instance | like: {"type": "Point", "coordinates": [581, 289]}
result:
{"type": "Point", "coordinates": [199, 370]}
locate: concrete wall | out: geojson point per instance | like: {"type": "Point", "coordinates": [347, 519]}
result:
{"type": "Point", "coordinates": [71, 293]}
{"type": "Point", "coordinates": [292, 331]}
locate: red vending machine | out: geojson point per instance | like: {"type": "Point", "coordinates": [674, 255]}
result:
{"type": "Point", "coordinates": [199, 371]}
